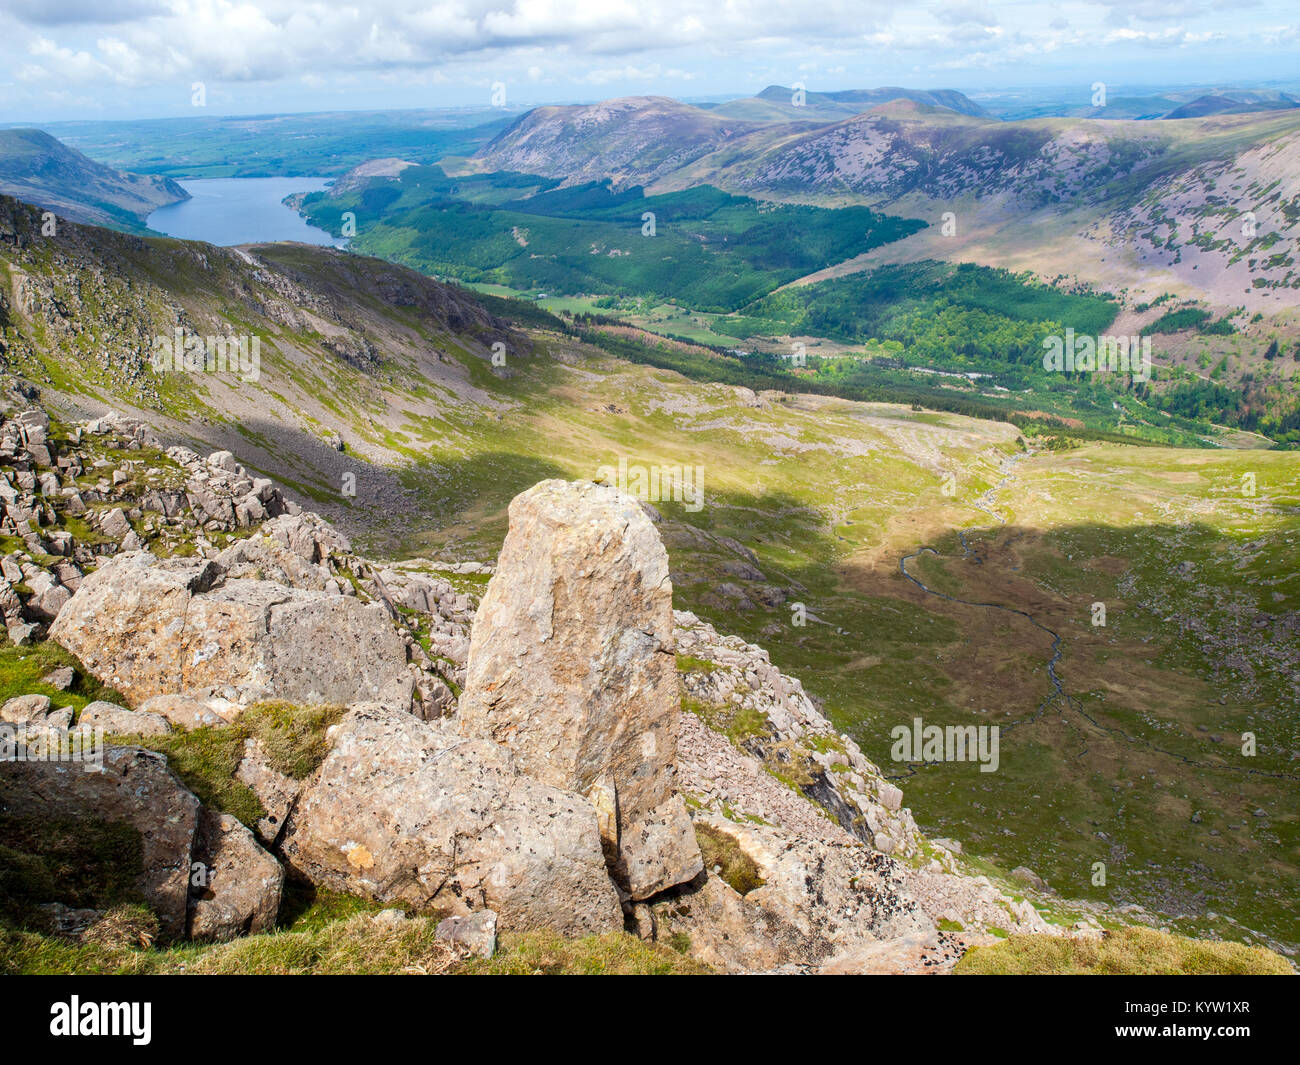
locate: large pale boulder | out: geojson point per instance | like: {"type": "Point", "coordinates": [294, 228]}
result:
{"type": "Point", "coordinates": [403, 809]}
{"type": "Point", "coordinates": [136, 787]}
{"type": "Point", "coordinates": [152, 627]}
{"type": "Point", "coordinates": [571, 666]}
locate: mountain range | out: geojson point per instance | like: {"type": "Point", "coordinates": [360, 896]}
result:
{"type": "Point", "coordinates": [1123, 204]}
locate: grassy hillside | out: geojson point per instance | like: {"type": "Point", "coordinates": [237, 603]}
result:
{"type": "Point", "coordinates": [346, 344]}
{"type": "Point", "coordinates": [1135, 760]}
{"type": "Point", "coordinates": [840, 286]}
{"type": "Point", "coordinates": [334, 936]}
{"type": "Point", "coordinates": [1131, 952]}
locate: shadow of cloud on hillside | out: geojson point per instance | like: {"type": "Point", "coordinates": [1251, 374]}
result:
{"type": "Point", "coordinates": [1136, 760]}
{"type": "Point", "coordinates": [384, 507]}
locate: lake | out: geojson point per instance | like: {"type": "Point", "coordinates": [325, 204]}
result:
{"type": "Point", "coordinates": [230, 211]}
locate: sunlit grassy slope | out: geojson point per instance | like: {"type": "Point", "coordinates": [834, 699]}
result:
{"type": "Point", "coordinates": [1130, 952]}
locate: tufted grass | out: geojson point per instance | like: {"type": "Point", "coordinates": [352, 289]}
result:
{"type": "Point", "coordinates": [21, 670]}
{"type": "Point", "coordinates": [353, 945]}
{"type": "Point", "coordinates": [721, 851]}
{"type": "Point", "coordinates": [292, 736]}
{"type": "Point", "coordinates": [1132, 951]}
{"type": "Point", "coordinates": [205, 759]}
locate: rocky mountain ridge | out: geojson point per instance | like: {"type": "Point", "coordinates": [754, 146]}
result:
{"type": "Point", "coordinates": [633, 140]}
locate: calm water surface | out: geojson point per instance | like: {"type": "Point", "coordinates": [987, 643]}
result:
{"type": "Point", "coordinates": [241, 211]}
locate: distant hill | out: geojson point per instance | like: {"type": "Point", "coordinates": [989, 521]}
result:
{"type": "Point", "coordinates": [630, 140]}
{"type": "Point", "coordinates": [859, 100]}
{"type": "Point", "coordinates": [313, 144]}
{"type": "Point", "coordinates": [776, 104]}
{"type": "Point", "coordinates": [1144, 108]}
{"type": "Point", "coordinates": [1234, 103]}
{"type": "Point", "coordinates": [1102, 186]}
{"type": "Point", "coordinates": [1182, 103]}
{"type": "Point", "coordinates": [38, 169]}
{"type": "Point", "coordinates": [896, 148]}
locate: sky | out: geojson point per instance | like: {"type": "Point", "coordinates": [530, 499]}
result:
{"type": "Point", "coordinates": [119, 59]}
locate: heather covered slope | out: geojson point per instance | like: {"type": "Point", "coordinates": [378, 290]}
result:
{"type": "Point", "coordinates": [1201, 208]}
{"type": "Point", "coordinates": [892, 148]}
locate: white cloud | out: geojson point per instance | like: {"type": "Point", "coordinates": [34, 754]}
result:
{"type": "Point", "coordinates": [262, 47]}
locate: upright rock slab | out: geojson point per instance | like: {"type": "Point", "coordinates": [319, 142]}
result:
{"type": "Point", "coordinates": [572, 667]}
{"type": "Point", "coordinates": [235, 885]}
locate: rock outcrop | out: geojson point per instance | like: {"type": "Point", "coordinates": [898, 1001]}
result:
{"type": "Point", "coordinates": [553, 793]}
{"type": "Point", "coordinates": [571, 666]}
{"type": "Point", "coordinates": [151, 627]}
{"type": "Point", "coordinates": [835, 784]}
{"type": "Point", "coordinates": [403, 809]}
{"type": "Point", "coordinates": [812, 900]}
{"type": "Point", "coordinates": [277, 792]}
{"type": "Point", "coordinates": [113, 475]}
{"type": "Point", "coordinates": [835, 874]}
